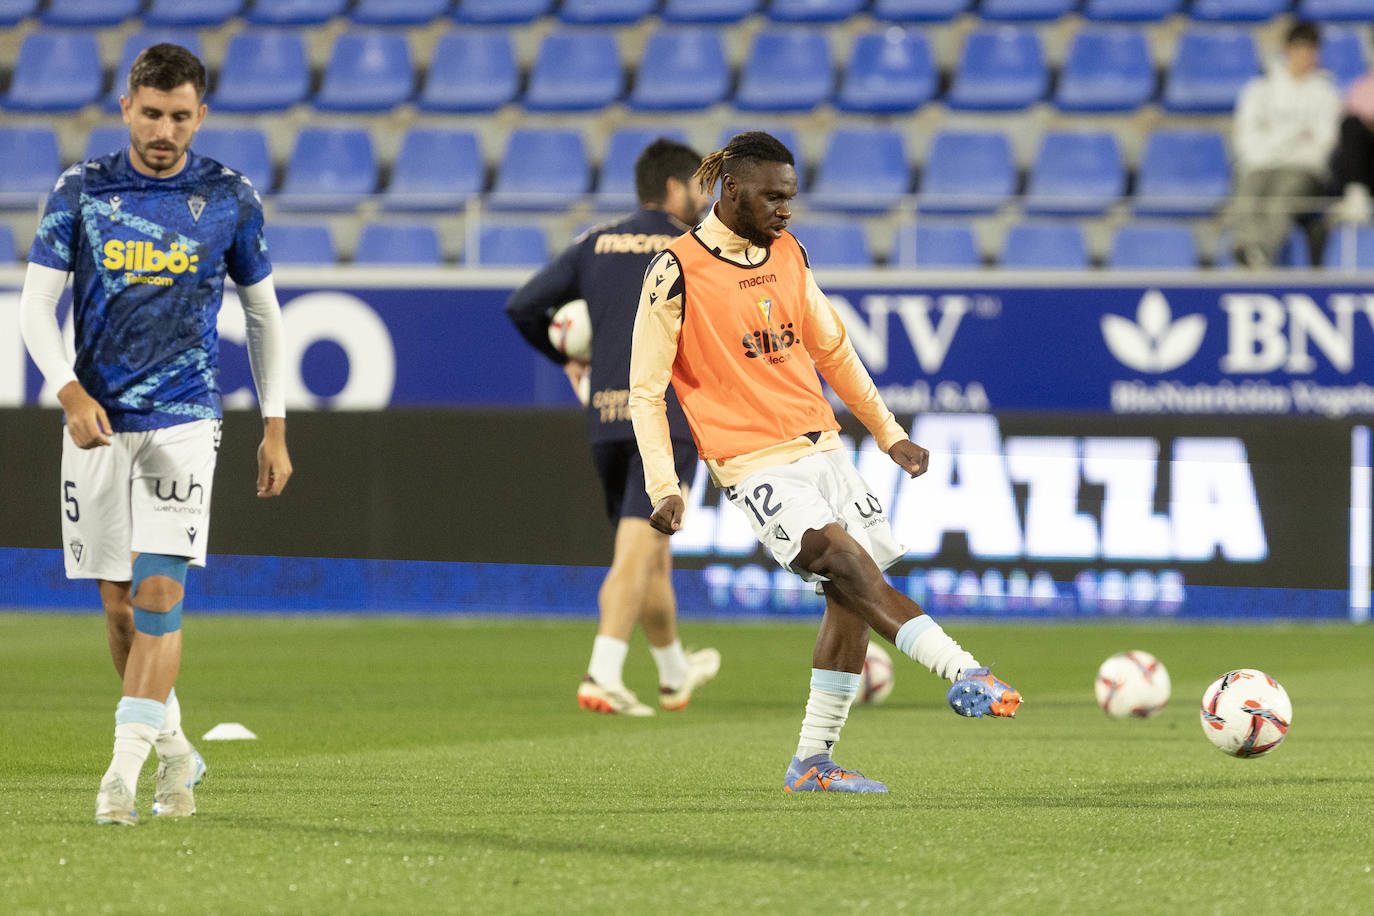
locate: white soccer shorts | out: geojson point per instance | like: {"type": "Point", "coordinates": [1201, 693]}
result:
{"type": "Point", "coordinates": [783, 503]}
{"type": "Point", "coordinates": [146, 492]}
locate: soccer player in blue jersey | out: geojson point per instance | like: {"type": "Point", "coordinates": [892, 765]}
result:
{"type": "Point", "coordinates": [149, 234]}
{"type": "Point", "coordinates": [606, 268]}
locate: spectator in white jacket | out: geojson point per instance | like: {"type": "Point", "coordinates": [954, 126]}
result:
{"type": "Point", "coordinates": [1285, 130]}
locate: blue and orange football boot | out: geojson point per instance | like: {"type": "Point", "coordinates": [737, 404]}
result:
{"type": "Point", "coordinates": [977, 693]}
{"type": "Point", "coordinates": [821, 774]}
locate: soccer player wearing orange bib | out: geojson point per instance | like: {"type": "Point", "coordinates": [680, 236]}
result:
{"type": "Point", "coordinates": [731, 314]}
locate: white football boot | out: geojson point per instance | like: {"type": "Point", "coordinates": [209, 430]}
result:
{"type": "Point", "coordinates": [115, 803]}
{"type": "Point", "coordinates": [175, 777]}
{"type": "Point", "coordinates": [616, 700]}
{"type": "Point", "coordinates": [702, 665]}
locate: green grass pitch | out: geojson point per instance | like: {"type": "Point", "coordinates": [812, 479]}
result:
{"type": "Point", "coordinates": [417, 766]}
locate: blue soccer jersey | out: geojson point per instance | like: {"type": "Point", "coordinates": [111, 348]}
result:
{"type": "Point", "coordinates": [150, 256]}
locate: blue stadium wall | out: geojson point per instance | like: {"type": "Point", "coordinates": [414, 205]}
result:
{"type": "Point", "coordinates": [1103, 446]}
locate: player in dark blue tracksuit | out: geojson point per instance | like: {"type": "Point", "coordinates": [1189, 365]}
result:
{"type": "Point", "coordinates": [606, 268]}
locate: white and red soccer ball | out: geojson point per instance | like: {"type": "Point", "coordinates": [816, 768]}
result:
{"type": "Point", "coordinates": [1132, 683]}
{"type": "Point", "coordinates": [570, 330]}
{"type": "Point", "coordinates": [1246, 713]}
{"type": "Point", "coordinates": [875, 683]}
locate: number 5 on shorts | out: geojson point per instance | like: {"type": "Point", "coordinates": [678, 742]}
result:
{"type": "Point", "coordinates": [74, 510]}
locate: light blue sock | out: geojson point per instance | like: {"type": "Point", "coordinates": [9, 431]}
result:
{"type": "Point", "coordinates": [826, 710]}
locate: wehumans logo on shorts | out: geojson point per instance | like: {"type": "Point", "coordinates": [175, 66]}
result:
{"type": "Point", "coordinates": [193, 489]}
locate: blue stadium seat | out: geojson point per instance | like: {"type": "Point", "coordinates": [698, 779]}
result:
{"type": "Point", "coordinates": [1336, 10]}
{"type": "Point", "coordinates": [788, 69]}
{"type": "Point", "coordinates": [541, 169]}
{"type": "Point", "coordinates": [605, 12]}
{"type": "Point", "coordinates": [919, 10]}
{"type": "Point", "coordinates": [1024, 10]}
{"type": "Point", "coordinates": [299, 243]}
{"type": "Point", "coordinates": [295, 12]}
{"type": "Point", "coordinates": [1108, 68]}
{"type": "Point", "coordinates": [186, 37]}
{"type": "Point", "coordinates": [864, 170]}
{"type": "Point", "coordinates": [575, 70]}
{"type": "Point", "coordinates": [833, 243]}
{"type": "Point", "coordinates": [708, 10]}
{"type": "Point", "coordinates": [787, 136]}
{"type": "Point", "coordinates": [1237, 10]}
{"type": "Point", "coordinates": [13, 12]}
{"type": "Point", "coordinates": [243, 149]}
{"type": "Point", "coordinates": [399, 12]}
{"type": "Point", "coordinates": [184, 14]}
{"type": "Point", "coordinates": [1001, 68]}
{"type": "Point", "coordinates": [936, 245]}
{"type": "Point", "coordinates": [31, 167]}
{"type": "Point", "coordinates": [105, 139]}
{"type": "Point", "coordinates": [330, 169]}
{"type": "Point", "coordinates": [508, 245]}
{"type": "Point", "coordinates": [413, 244]}
{"type": "Point", "coordinates": [1343, 53]}
{"type": "Point", "coordinates": [967, 172]}
{"type": "Point", "coordinates": [435, 169]}
{"type": "Point", "coordinates": [1076, 173]}
{"type": "Point", "coordinates": [263, 70]}
{"type": "Point", "coordinates": [191, 13]}
{"type": "Point", "coordinates": [615, 189]}
{"type": "Point", "coordinates": [813, 10]}
{"type": "Point", "coordinates": [369, 70]}
{"type": "Point", "coordinates": [1182, 173]}
{"type": "Point", "coordinates": [682, 69]}
{"type": "Point", "coordinates": [889, 71]}
{"type": "Point", "coordinates": [1036, 245]}
{"type": "Point", "coordinates": [471, 70]}
{"type": "Point", "coordinates": [501, 12]}
{"type": "Point", "coordinates": [8, 254]}
{"type": "Point", "coordinates": [1211, 66]}
{"type": "Point", "coordinates": [57, 70]}
{"type": "Point", "coordinates": [1349, 248]}
{"type": "Point", "coordinates": [1131, 10]}
{"type": "Point", "coordinates": [87, 13]}
{"type": "Point", "coordinates": [1153, 246]}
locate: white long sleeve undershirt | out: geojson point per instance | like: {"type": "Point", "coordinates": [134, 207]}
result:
{"type": "Point", "coordinates": [263, 326]}
{"type": "Point", "coordinates": [39, 326]}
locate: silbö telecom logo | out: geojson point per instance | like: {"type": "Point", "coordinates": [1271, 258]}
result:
{"type": "Point", "coordinates": [1154, 342]}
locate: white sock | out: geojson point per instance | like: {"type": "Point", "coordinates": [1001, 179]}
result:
{"type": "Point", "coordinates": [171, 742]}
{"type": "Point", "coordinates": [672, 664]}
{"type": "Point", "coordinates": [607, 666]}
{"type": "Point", "coordinates": [922, 639]}
{"type": "Point", "coordinates": [826, 711]}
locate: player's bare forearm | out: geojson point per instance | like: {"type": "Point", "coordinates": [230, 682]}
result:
{"type": "Point", "coordinates": [87, 422]}
{"type": "Point", "coordinates": [274, 461]}
{"type": "Point", "coordinates": [910, 457]}
{"type": "Point", "coordinates": [667, 515]}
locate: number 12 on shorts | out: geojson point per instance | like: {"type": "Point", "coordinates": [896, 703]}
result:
{"type": "Point", "coordinates": [764, 494]}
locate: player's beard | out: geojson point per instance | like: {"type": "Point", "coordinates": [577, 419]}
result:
{"type": "Point", "coordinates": [143, 150]}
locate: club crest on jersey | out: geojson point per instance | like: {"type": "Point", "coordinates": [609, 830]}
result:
{"type": "Point", "coordinates": [115, 203]}
{"type": "Point", "coordinates": [196, 204]}
{"type": "Point", "coordinates": [765, 304]}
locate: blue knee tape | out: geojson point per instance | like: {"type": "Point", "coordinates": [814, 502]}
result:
{"type": "Point", "coordinates": [157, 564]}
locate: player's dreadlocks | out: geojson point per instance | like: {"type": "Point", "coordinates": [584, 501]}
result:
{"type": "Point", "coordinates": [743, 149]}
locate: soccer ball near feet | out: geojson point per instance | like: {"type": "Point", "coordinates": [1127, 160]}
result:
{"type": "Point", "coordinates": [1246, 713]}
{"type": "Point", "coordinates": [876, 681]}
{"type": "Point", "coordinates": [1132, 683]}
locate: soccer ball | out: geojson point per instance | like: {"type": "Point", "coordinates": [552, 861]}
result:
{"type": "Point", "coordinates": [876, 681]}
{"type": "Point", "coordinates": [570, 330]}
{"type": "Point", "coordinates": [1132, 683]}
{"type": "Point", "coordinates": [1245, 713]}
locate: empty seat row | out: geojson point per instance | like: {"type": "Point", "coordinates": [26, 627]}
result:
{"type": "Point", "coordinates": [925, 245]}
{"type": "Point", "coordinates": [1107, 68]}
{"type": "Point", "coordinates": [419, 12]}
{"type": "Point", "coordinates": [863, 170]}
